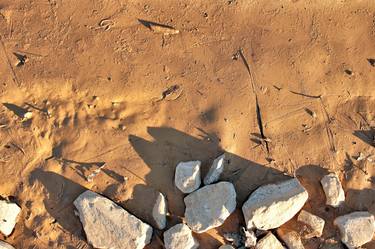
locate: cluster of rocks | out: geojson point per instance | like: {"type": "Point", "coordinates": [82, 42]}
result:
{"type": "Point", "coordinates": [267, 208]}
{"type": "Point", "coordinates": [107, 225]}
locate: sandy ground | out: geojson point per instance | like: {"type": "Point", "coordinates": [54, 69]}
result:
{"type": "Point", "coordinates": [106, 91]}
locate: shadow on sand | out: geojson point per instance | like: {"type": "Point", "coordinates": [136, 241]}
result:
{"type": "Point", "coordinates": [169, 147]}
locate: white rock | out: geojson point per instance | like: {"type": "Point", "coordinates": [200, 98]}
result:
{"type": "Point", "coordinates": [333, 190]}
{"type": "Point", "coordinates": [28, 115]}
{"type": "Point", "coordinates": [269, 241]}
{"type": "Point", "coordinates": [314, 223]}
{"type": "Point", "coordinates": [188, 176]}
{"type": "Point", "coordinates": [292, 240]}
{"type": "Point", "coordinates": [178, 237]}
{"type": "Point", "coordinates": [356, 228]}
{"type": "Point", "coordinates": [209, 206]}
{"type": "Point", "coordinates": [107, 225]}
{"type": "Point", "coordinates": [8, 216]}
{"type": "Point", "coordinates": [226, 247]}
{"type": "Point", "coordinates": [251, 239]}
{"type": "Point", "coordinates": [4, 245]}
{"type": "Point", "coordinates": [159, 212]}
{"type": "Point", "coordinates": [215, 171]}
{"type": "Point", "coordinates": [272, 205]}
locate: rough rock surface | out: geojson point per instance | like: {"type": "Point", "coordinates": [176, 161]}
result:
{"type": "Point", "coordinates": [159, 212]}
{"type": "Point", "coordinates": [4, 245]}
{"type": "Point", "coordinates": [215, 171]}
{"type": "Point", "coordinates": [356, 228]}
{"type": "Point", "coordinates": [226, 247]}
{"type": "Point", "coordinates": [272, 205]}
{"type": "Point", "coordinates": [315, 224]}
{"type": "Point", "coordinates": [333, 190]}
{"type": "Point", "coordinates": [107, 225]}
{"type": "Point", "coordinates": [250, 238]}
{"type": "Point", "coordinates": [180, 236]}
{"type": "Point", "coordinates": [188, 176]}
{"type": "Point", "coordinates": [269, 241]}
{"type": "Point", "coordinates": [209, 206]}
{"type": "Point", "coordinates": [8, 216]}
{"type": "Point", "coordinates": [292, 240]}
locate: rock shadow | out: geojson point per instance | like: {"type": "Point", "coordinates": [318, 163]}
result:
{"type": "Point", "coordinates": [59, 201]}
{"type": "Point", "coordinates": [170, 146]}
{"type": "Point", "coordinates": [367, 136]}
{"type": "Point", "coordinates": [17, 110]}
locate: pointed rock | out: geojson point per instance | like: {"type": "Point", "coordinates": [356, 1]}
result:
{"type": "Point", "coordinates": [159, 212]}
{"type": "Point", "coordinates": [209, 206]}
{"type": "Point", "coordinates": [272, 205]}
{"type": "Point", "coordinates": [180, 236]}
{"type": "Point", "coordinates": [250, 238]}
{"type": "Point", "coordinates": [8, 216]}
{"type": "Point", "coordinates": [315, 224]}
{"type": "Point", "coordinates": [188, 176]}
{"type": "Point", "coordinates": [215, 171]}
{"type": "Point", "coordinates": [356, 228]}
{"type": "Point", "coordinates": [108, 225]}
{"type": "Point", "coordinates": [4, 245]}
{"type": "Point", "coordinates": [335, 195]}
{"type": "Point", "coordinates": [269, 241]}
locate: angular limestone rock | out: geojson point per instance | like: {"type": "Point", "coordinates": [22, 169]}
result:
{"type": "Point", "coordinates": [292, 240]}
{"type": "Point", "coordinates": [107, 225]}
{"type": "Point", "coordinates": [215, 171]}
{"type": "Point", "coordinates": [226, 247]}
{"type": "Point", "coordinates": [269, 241]}
{"type": "Point", "coordinates": [209, 206]}
{"type": "Point", "coordinates": [8, 216]}
{"type": "Point", "coordinates": [315, 224]}
{"type": "Point", "coordinates": [272, 205]}
{"type": "Point", "coordinates": [335, 195]}
{"type": "Point", "coordinates": [356, 228]}
{"type": "Point", "coordinates": [250, 238]}
{"type": "Point", "coordinates": [180, 236]}
{"type": "Point", "coordinates": [4, 245]}
{"type": "Point", "coordinates": [188, 176]}
{"type": "Point", "coordinates": [159, 212]}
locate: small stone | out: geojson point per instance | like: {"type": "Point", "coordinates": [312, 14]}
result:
{"type": "Point", "coordinates": [188, 176]}
{"type": "Point", "coordinates": [108, 225]}
{"type": "Point", "coordinates": [269, 241]}
{"type": "Point", "coordinates": [250, 238]}
{"type": "Point", "coordinates": [314, 223]}
{"type": "Point", "coordinates": [163, 29]}
{"type": "Point", "coordinates": [159, 212]}
{"type": "Point", "coordinates": [4, 245]}
{"type": "Point", "coordinates": [356, 228]}
{"type": "Point", "coordinates": [209, 206]}
{"type": "Point", "coordinates": [215, 171]}
{"type": "Point", "coordinates": [27, 115]}
{"type": "Point", "coordinates": [226, 247]}
{"type": "Point", "coordinates": [180, 236]}
{"type": "Point", "coordinates": [272, 205]}
{"type": "Point", "coordinates": [335, 195]}
{"type": "Point", "coordinates": [332, 243]}
{"type": "Point", "coordinates": [8, 216]}
{"type": "Point", "coordinates": [292, 240]}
